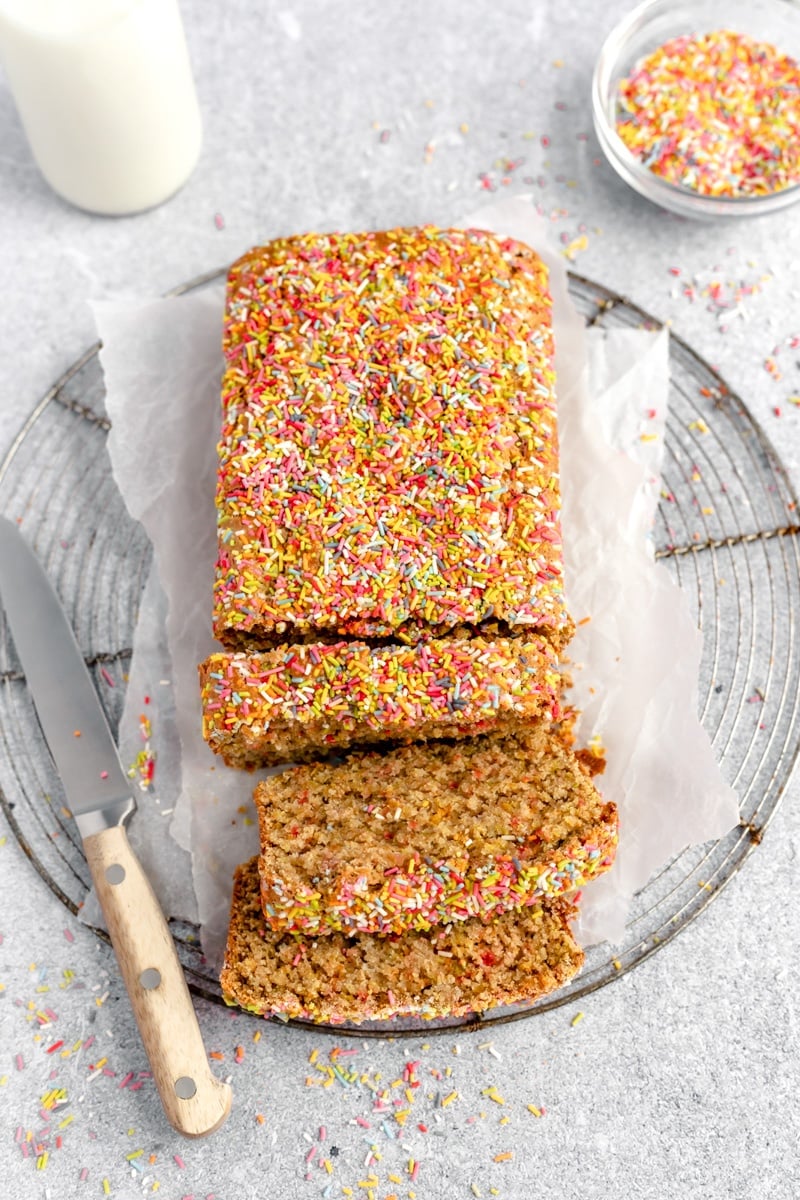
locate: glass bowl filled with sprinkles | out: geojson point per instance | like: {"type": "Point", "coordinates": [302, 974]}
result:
{"type": "Point", "coordinates": [697, 105]}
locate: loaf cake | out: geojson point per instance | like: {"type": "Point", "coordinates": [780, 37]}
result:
{"type": "Point", "coordinates": [429, 834]}
{"type": "Point", "coordinates": [296, 703]}
{"type": "Point", "coordinates": [390, 571]}
{"type": "Point", "coordinates": [388, 462]}
{"type": "Point", "coordinates": [472, 967]}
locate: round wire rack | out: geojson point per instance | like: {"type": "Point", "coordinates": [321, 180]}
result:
{"type": "Point", "coordinates": [725, 527]}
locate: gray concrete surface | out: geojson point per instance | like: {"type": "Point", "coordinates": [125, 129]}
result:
{"type": "Point", "coordinates": [680, 1080]}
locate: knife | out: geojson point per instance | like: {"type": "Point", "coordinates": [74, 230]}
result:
{"type": "Point", "coordinates": [101, 799]}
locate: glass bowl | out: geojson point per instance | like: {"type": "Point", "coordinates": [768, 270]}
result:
{"type": "Point", "coordinates": [644, 30]}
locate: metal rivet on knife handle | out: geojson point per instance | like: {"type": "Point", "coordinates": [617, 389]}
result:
{"type": "Point", "coordinates": [185, 1087]}
{"type": "Point", "coordinates": [115, 873]}
{"type": "Point", "coordinates": [150, 978]}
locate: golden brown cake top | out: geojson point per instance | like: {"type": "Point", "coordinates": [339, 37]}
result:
{"type": "Point", "coordinates": [388, 458]}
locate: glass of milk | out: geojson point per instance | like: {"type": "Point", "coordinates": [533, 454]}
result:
{"type": "Point", "coordinates": [105, 92]}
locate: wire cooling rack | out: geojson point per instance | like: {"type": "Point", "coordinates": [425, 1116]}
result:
{"type": "Point", "coordinates": [726, 527]}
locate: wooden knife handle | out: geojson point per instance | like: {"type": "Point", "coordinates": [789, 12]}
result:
{"type": "Point", "coordinates": [195, 1102]}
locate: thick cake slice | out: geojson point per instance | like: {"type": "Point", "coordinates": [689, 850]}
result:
{"type": "Point", "coordinates": [429, 834]}
{"type": "Point", "coordinates": [388, 462]}
{"type": "Point", "coordinates": [470, 968]}
{"type": "Point", "coordinates": [294, 704]}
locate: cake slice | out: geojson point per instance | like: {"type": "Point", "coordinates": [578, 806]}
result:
{"type": "Point", "coordinates": [470, 968]}
{"type": "Point", "coordinates": [388, 460]}
{"type": "Point", "coordinates": [429, 834]}
{"type": "Point", "coordinates": [294, 704]}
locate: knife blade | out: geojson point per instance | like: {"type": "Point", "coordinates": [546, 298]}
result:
{"type": "Point", "coordinates": [101, 799]}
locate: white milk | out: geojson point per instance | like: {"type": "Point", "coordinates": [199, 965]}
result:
{"type": "Point", "coordinates": [105, 93]}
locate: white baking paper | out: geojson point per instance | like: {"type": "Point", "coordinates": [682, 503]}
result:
{"type": "Point", "coordinates": [150, 696]}
{"type": "Point", "coordinates": [635, 659]}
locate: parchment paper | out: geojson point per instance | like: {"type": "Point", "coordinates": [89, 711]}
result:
{"type": "Point", "coordinates": [635, 660]}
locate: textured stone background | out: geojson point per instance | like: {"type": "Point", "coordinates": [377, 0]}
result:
{"type": "Point", "coordinates": [680, 1080]}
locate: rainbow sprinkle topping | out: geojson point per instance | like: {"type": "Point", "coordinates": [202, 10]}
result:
{"type": "Point", "coordinates": [428, 893]}
{"type": "Point", "coordinates": [718, 113]}
{"type": "Point", "coordinates": [388, 458]}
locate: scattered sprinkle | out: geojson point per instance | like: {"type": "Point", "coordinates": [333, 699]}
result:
{"type": "Point", "coordinates": [144, 765]}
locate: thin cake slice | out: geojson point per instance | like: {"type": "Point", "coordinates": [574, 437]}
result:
{"type": "Point", "coordinates": [388, 459]}
{"type": "Point", "coordinates": [294, 704]}
{"type": "Point", "coordinates": [470, 968]}
{"type": "Point", "coordinates": [429, 834]}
